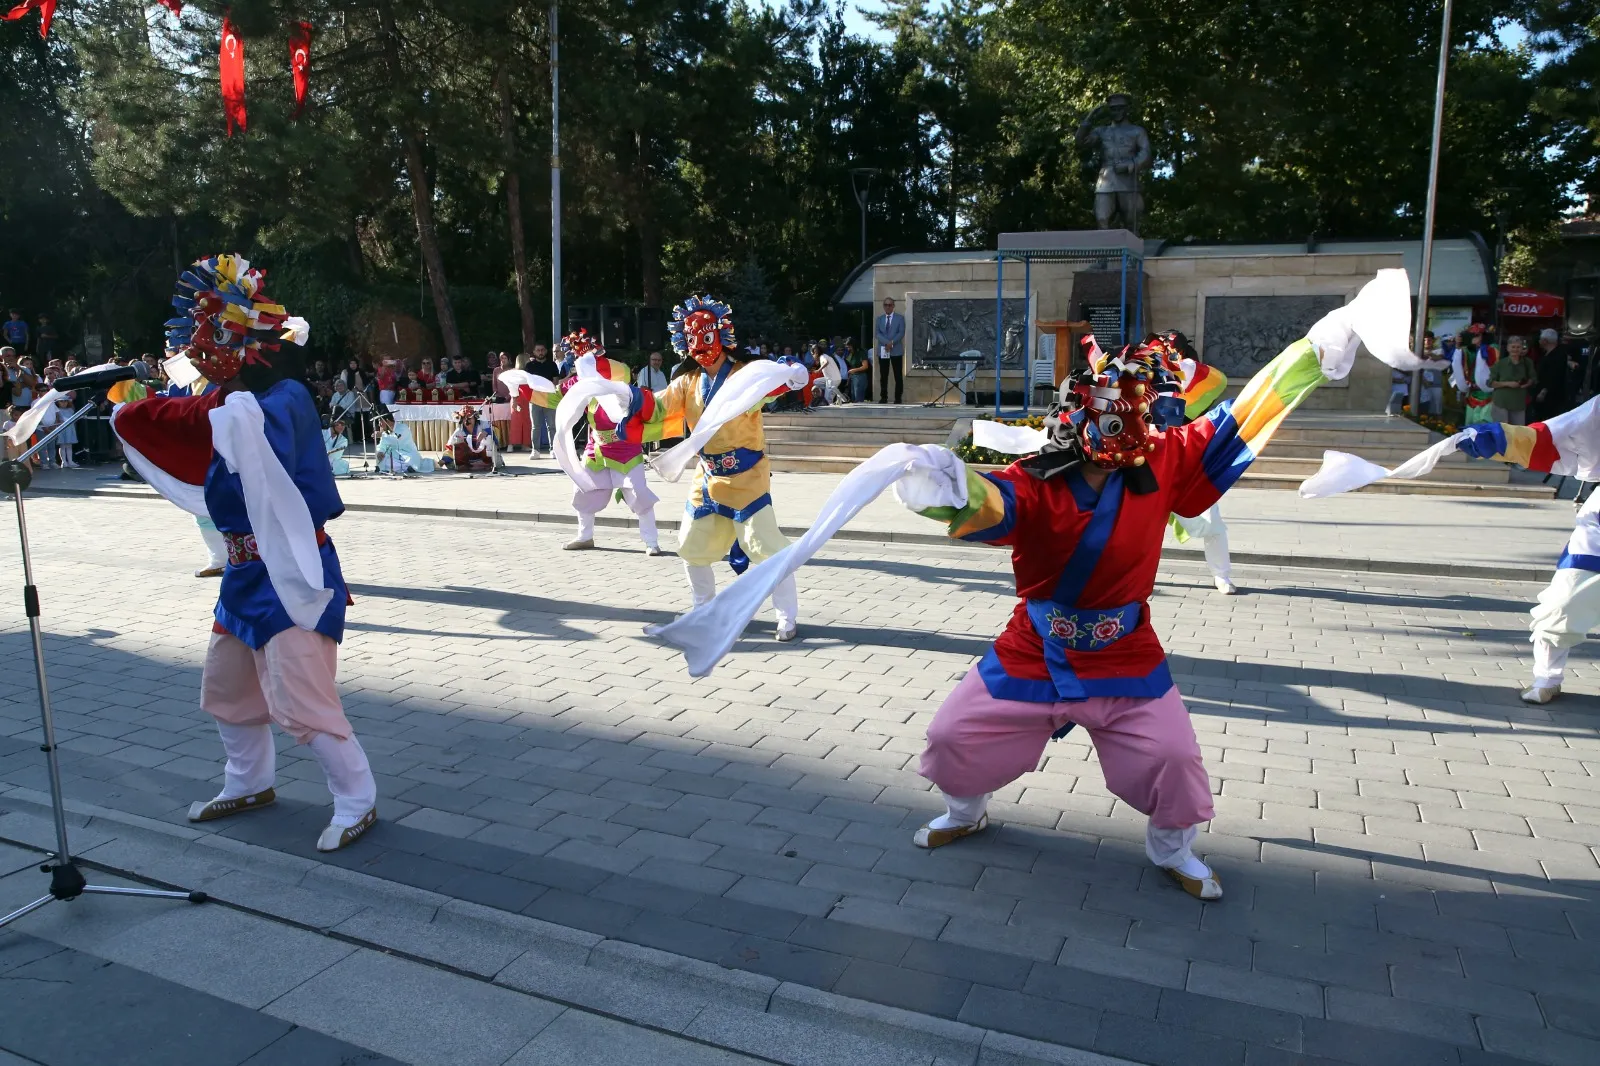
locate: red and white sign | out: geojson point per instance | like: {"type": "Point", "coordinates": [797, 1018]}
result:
{"type": "Point", "coordinates": [1529, 303]}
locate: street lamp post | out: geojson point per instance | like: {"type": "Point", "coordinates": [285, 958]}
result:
{"type": "Point", "coordinates": [861, 186]}
{"type": "Point", "coordinates": [1427, 220]}
{"type": "Point", "coordinates": [555, 183]}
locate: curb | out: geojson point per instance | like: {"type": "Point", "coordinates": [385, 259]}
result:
{"type": "Point", "coordinates": [1536, 574]}
{"type": "Point", "coordinates": [748, 1013]}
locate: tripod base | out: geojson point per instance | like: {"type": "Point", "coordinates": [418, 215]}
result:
{"type": "Point", "coordinates": [67, 883]}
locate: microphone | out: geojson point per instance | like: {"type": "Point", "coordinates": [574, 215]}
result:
{"type": "Point", "coordinates": [99, 378]}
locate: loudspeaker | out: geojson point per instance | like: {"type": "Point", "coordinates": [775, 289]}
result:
{"type": "Point", "coordinates": [652, 329]}
{"type": "Point", "coordinates": [583, 316]}
{"type": "Point", "coordinates": [617, 326]}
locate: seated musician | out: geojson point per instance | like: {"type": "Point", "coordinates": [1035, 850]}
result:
{"type": "Point", "coordinates": [472, 446]}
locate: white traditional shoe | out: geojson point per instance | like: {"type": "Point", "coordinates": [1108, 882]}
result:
{"type": "Point", "coordinates": [211, 810]}
{"type": "Point", "coordinates": [1226, 587]}
{"type": "Point", "coordinates": [929, 837]}
{"type": "Point", "coordinates": [652, 549]}
{"type": "Point", "coordinates": [786, 635]}
{"type": "Point", "coordinates": [1206, 888]}
{"type": "Point", "coordinates": [1538, 694]}
{"type": "Point", "coordinates": [335, 837]}
{"type": "Point", "coordinates": [579, 545]}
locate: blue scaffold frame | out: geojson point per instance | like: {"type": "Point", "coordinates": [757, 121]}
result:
{"type": "Point", "coordinates": [1027, 256]}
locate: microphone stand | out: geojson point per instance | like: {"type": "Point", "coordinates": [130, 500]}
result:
{"type": "Point", "coordinates": [66, 880]}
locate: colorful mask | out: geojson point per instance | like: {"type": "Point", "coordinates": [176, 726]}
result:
{"type": "Point", "coordinates": [1110, 412]}
{"type": "Point", "coordinates": [702, 328]}
{"type": "Point", "coordinates": [226, 321]}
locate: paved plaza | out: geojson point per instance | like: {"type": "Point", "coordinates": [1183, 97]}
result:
{"type": "Point", "coordinates": [1409, 852]}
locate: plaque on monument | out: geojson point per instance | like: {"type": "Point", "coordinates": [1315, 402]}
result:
{"type": "Point", "coordinates": [1105, 322]}
{"type": "Point", "coordinates": [1244, 333]}
{"type": "Point", "coordinates": [942, 328]}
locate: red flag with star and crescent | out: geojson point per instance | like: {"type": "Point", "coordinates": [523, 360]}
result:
{"type": "Point", "coordinates": [46, 9]}
{"type": "Point", "coordinates": [300, 62]}
{"type": "Point", "coordinates": [232, 68]}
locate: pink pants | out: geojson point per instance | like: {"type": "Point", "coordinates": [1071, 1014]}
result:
{"type": "Point", "coordinates": [290, 682]}
{"type": "Point", "coordinates": [1147, 747]}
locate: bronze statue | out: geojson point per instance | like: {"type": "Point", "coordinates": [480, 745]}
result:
{"type": "Point", "coordinates": [1124, 151]}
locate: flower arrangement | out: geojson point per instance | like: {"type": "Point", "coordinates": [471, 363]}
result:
{"type": "Point", "coordinates": [1434, 422]}
{"type": "Point", "coordinates": [968, 453]}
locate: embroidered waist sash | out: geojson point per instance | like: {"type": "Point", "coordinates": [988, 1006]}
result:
{"type": "Point", "coordinates": [726, 464]}
{"type": "Point", "coordinates": [1064, 629]}
{"type": "Point", "coordinates": [242, 546]}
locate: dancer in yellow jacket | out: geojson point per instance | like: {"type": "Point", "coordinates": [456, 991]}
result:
{"type": "Point", "coordinates": [732, 499]}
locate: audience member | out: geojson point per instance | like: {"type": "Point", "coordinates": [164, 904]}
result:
{"type": "Point", "coordinates": [426, 375]}
{"type": "Point", "coordinates": [16, 331]}
{"type": "Point", "coordinates": [387, 377]}
{"type": "Point", "coordinates": [889, 343]}
{"type": "Point", "coordinates": [46, 339]}
{"type": "Point", "coordinates": [1510, 379]}
{"type": "Point", "coordinates": [544, 419]}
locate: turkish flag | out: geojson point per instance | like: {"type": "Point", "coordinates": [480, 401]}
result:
{"type": "Point", "coordinates": [174, 6]}
{"type": "Point", "coordinates": [47, 11]}
{"type": "Point", "coordinates": [300, 62]}
{"type": "Point", "coordinates": [232, 67]}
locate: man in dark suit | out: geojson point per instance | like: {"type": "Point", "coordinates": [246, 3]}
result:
{"type": "Point", "coordinates": [889, 346]}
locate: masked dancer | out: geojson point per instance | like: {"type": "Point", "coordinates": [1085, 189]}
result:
{"type": "Point", "coordinates": [249, 456]}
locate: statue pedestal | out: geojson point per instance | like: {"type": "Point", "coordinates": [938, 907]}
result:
{"type": "Point", "coordinates": [1110, 241]}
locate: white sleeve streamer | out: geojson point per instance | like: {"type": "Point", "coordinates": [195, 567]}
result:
{"type": "Point", "coordinates": [1379, 317]}
{"type": "Point", "coordinates": [33, 416]}
{"type": "Point", "coordinates": [285, 536]}
{"type": "Point", "coordinates": [706, 633]}
{"type": "Point", "coordinates": [738, 395]}
{"type": "Point", "coordinates": [1576, 436]}
{"type": "Point", "coordinates": [1343, 472]}
{"type": "Point", "coordinates": [572, 408]}
{"type": "Point", "coordinates": [515, 379]}
{"type": "Point", "coordinates": [1012, 440]}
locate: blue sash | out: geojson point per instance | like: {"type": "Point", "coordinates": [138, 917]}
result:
{"type": "Point", "coordinates": [726, 464]}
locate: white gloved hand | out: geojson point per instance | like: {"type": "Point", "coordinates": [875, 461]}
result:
{"type": "Point", "coordinates": [942, 482]}
{"type": "Point", "coordinates": [798, 376]}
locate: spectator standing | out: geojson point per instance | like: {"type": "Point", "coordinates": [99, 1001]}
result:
{"type": "Point", "coordinates": [859, 368]}
{"type": "Point", "coordinates": [889, 345]}
{"type": "Point", "coordinates": [544, 419]}
{"type": "Point", "coordinates": [352, 377]}
{"type": "Point", "coordinates": [519, 435]}
{"type": "Point", "coordinates": [26, 384]}
{"type": "Point", "coordinates": [141, 365]}
{"type": "Point", "coordinates": [425, 374]}
{"type": "Point", "coordinates": [1553, 395]}
{"type": "Point", "coordinates": [46, 338]}
{"type": "Point", "coordinates": [8, 375]}
{"type": "Point", "coordinates": [462, 377]}
{"type": "Point", "coordinates": [388, 378]}
{"type": "Point", "coordinates": [16, 331]}
{"type": "Point", "coordinates": [1510, 379]}
{"type": "Point", "coordinates": [653, 375]}
{"type": "Point", "coordinates": [344, 405]}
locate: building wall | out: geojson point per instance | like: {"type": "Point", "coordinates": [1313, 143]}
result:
{"type": "Point", "coordinates": [1175, 300]}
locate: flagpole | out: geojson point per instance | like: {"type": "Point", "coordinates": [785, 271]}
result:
{"type": "Point", "coordinates": [555, 183]}
{"type": "Point", "coordinates": [1427, 219]}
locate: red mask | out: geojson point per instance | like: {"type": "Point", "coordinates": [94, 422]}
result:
{"type": "Point", "coordinates": [703, 337]}
{"type": "Point", "coordinates": [214, 358]}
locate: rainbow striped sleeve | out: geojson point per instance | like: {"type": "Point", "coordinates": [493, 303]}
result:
{"type": "Point", "coordinates": [1205, 390]}
{"type": "Point", "coordinates": [547, 400]}
{"type": "Point", "coordinates": [656, 415]}
{"type": "Point", "coordinates": [1531, 447]}
{"type": "Point", "coordinates": [989, 516]}
{"type": "Point", "coordinates": [1240, 428]}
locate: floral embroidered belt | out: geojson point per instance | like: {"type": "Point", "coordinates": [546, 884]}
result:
{"type": "Point", "coordinates": [726, 464]}
{"type": "Point", "coordinates": [242, 547]}
{"type": "Point", "coordinates": [1082, 630]}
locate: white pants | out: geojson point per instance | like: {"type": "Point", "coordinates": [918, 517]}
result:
{"type": "Point", "coordinates": [1210, 528]}
{"type": "Point", "coordinates": [1568, 607]}
{"type": "Point", "coordinates": [635, 493]}
{"type": "Point", "coordinates": [785, 598]}
{"type": "Point", "coordinates": [252, 768]}
{"type": "Point", "coordinates": [216, 544]}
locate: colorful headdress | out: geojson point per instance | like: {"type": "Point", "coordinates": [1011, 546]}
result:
{"type": "Point", "coordinates": [578, 344]}
{"type": "Point", "coordinates": [226, 321]}
{"type": "Point", "coordinates": [702, 327]}
{"type": "Point", "coordinates": [1108, 414]}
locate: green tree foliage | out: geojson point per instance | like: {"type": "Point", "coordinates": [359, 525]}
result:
{"type": "Point", "coordinates": [709, 144]}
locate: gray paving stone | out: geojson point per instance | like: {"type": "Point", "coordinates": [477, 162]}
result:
{"type": "Point", "coordinates": [430, 1015]}
{"type": "Point", "coordinates": [1094, 990]}
{"type": "Point", "coordinates": [1030, 1016]}
{"type": "Point", "coordinates": [926, 993]}
{"type": "Point", "coordinates": [1164, 1045]}
{"type": "Point", "coordinates": [579, 1039]}
{"type": "Point", "coordinates": [1549, 1046]}
{"type": "Point", "coordinates": [201, 947]}
{"type": "Point", "coordinates": [1477, 997]}
{"type": "Point", "coordinates": [796, 1043]}
{"type": "Point", "coordinates": [813, 901]}
{"type": "Point", "coordinates": [1265, 990]}
{"type": "Point", "coordinates": [1438, 1023]}
{"type": "Point", "coordinates": [880, 915]}
{"type": "Point", "coordinates": [855, 882]}
{"type": "Point", "coordinates": [877, 945]}
{"type": "Point", "coordinates": [1125, 962]}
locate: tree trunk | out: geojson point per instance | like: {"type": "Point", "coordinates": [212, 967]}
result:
{"type": "Point", "coordinates": [421, 195]}
{"type": "Point", "coordinates": [644, 216]}
{"type": "Point", "coordinates": [519, 248]}
{"type": "Point", "coordinates": [428, 237]}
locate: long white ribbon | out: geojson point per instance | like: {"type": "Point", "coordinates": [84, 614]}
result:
{"type": "Point", "coordinates": [1343, 472]}
{"type": "Point", "coordinates": [1011, 440]}
{"type": "Point", "coordinates": [572, 409]}
{"type": "Point", "coordinates": [33, 416]}
{"type": "Point", "coordinates": [744, 389]}
{"type": "Point", "coordinates": [705, 633]}
{"type": "Point", "coordinates": [286, 538]}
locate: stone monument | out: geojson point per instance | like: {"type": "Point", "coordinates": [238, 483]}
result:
{"type": "Point", "coordinates": [1124, 149]}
